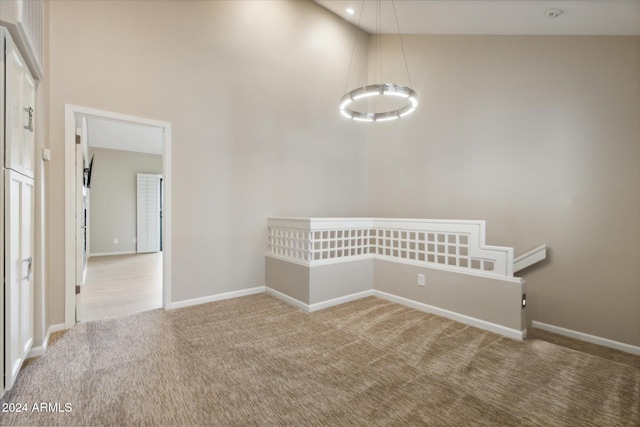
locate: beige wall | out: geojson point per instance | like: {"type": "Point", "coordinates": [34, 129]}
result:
{"type": "Point", "coordinates": [113, 197]}
{"type": "Point", "coordinates": [537, 135]}
{"type": "Point", "coordinates": [339, 280]}
{"type": "Point", "coordinates": [251, 90]}
{"type": "Point", "coordinates": [540, 136]}
{"type": "Point", "coordinates": [288, 278]}
{"type": "Point", "coordinates": [487, 299]}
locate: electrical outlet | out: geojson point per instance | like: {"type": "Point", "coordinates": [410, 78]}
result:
{"type": "Point", "coordinates": [135, 240]}
{"type": "Point", "coordinates": [420, 279]}
{"type": "Point", "coordinates": [115, 240]}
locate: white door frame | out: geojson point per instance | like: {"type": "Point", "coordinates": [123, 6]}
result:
{"type": "Point", "coordinates": [69, 207]}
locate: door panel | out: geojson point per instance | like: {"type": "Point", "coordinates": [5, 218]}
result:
{"type": "Point", "coordinates": [19, 287]}
{"type": "Point", "coordinates": [14, 132]}
{"type": "Point", "coordinates": [21, 89]}
{"type": "Point", "coordinates": [28, 111]}
{"type": "Point", "coordinates": [13, 270]}
{"type": "Point", "coordinates": [27, 286]}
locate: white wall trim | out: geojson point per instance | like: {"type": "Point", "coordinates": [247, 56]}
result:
{"type": "Point", "coordinates": [318, 263]}
{"type": "Point", "coordinates": [487, 326]}
{"type": "Point", "coordinates": [42, 349]}
{"type": "Point", "coordinates": [217, 297]}
{"type": "Point", "coordinates": [605, 342]}
{"type": "Point", "coordinates": [305, 241]}
{"type": "Point", "coordinates": [340, 300]}
{"type": "Point", "coordinates": [529, 258]}
{"type": "Point", "coordinates": [310, 308]}
{"type": "Point", "coordinates": [468, 320]}
{"type": "Point", "coordinates": [112, 253]}
{"type": "Point", "coordinates": [286, 298]}
{"type": "Point", "coordinates": [71, 111]}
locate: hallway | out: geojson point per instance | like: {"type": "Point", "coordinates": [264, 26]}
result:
{"type": "Point", "coordinates": [121, 285]}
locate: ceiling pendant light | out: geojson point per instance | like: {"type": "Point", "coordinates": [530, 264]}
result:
{"type": "Point", "coordinates": [378, 89]}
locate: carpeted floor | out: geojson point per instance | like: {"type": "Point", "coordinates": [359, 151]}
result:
{"type": "Point", "coordinates": [258, 361]}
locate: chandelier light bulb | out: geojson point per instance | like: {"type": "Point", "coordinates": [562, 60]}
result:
{"type": "Point", "coordinates": [382, 89]}
{"type": "Point", "coordinates": [387, 89]}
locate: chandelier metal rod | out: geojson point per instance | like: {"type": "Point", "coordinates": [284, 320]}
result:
{"type": "Point", "coordinates": [378, 89]}
{"type": "Point", "coordinates": [355, 43]}
{"type": "Point", "coordinates": [406, 67]}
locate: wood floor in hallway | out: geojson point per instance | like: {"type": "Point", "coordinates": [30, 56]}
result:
{"type": "Point", "coordinates": [120, 285]}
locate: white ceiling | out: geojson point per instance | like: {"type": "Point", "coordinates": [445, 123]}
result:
{"type": "Point", "coordinates": [579, 17]}
{"type": "Point", "coordinates": [118, 135]}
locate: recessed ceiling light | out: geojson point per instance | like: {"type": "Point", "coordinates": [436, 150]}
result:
{"type": "Point", "coordinates": [350, 11]}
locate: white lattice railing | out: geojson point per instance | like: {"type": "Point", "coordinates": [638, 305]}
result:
{"type": "Point", "coordinates": [449, 244]}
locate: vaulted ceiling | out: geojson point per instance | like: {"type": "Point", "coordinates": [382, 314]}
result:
{"type": "Point", "coordinates": [578, 17]}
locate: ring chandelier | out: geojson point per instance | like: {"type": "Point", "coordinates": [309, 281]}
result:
{"type": "Point", "coordinates": [381, 89]}
{"type": "Point", "coordinates": [386, 89]}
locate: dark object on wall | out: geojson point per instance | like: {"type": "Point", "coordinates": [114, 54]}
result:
{"type": "Point", "coordinates": [87, 174]}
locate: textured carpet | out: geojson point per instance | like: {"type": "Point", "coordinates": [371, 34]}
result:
{"type": "Point", "coordinates": [258, 361]}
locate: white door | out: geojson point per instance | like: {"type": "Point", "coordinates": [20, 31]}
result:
{"type": "Point", "coordinates": [148, 213]}
{"type": "Point", "coordinates": [19, 287]}
{"type": "Point", "coordinates": [28, 111]}
{"type": "Point", "coordinates": [20, 114]}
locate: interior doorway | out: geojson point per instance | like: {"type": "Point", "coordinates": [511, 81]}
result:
{"type": "Point", "coordinates": [104, 260]}
{"type": "Point", "coordinates": [120, 285]}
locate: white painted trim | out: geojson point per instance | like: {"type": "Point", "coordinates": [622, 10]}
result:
{"type": "Point", "coordinates": [217, 297]}
{"type": "Point", "coordinates": [42, 349]}
{"type": "Point", "coordinates": [340, 300]}
{"type": "Point", "coordinates": [167, 236]}
{"type": "Point", "coordinates": [501, 257]}
{"type": "Point", "coordinates": [468, 320]}
{"type": "Point", "coordinates": [319, 305]}
{"type": "Point", "coordinates": [69, 216]}
{"type": "Point", "coordinates": [339, 260]}
{"type": "Point", "coordinates": [321, 262]}
{"type": "Point", "coordinates": [286, 298]}
{"type": "Point", "coordinates": [605, 342]}
{"type": "Point", "coordinates": [36, 352]}
{"type": "Point", "coordinates": [291, 260]}
{"type": "Point", "coordinates": [529, 258]}
{"type": "Point", "coordinates": [69, 222]}
{"type": "Point", "coordinates": [113, 253]}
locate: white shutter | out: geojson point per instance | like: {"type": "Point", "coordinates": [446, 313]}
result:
{"type": "Point", "coordinates": [148, 213]}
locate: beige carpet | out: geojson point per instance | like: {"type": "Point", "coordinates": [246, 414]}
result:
{"type": "Point", "coordinates": [258, 361]}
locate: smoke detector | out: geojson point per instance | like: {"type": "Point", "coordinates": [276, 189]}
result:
{"type": "Point", "coordinates": [553, 13]}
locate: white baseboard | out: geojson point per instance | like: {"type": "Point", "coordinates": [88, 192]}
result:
{"type": "Point", "coordinates": [112, 253]}
{"type": "Point", "coordinates": [488, 326]}
{"type": "Point", "coordinates": [217, 297]}
{"type": "Point", "coordinates": [468, 320]}
{"type": "Point", "coordinates": [310, 308]}
{"type": "Point", "coordinates": [42, 349]}
{"type": "Point", "coordinates": [341, 300]}
{"type": "Point", "coordinates": [286, 298]}
{"type": "Point", "coordinates": [605, 342]}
